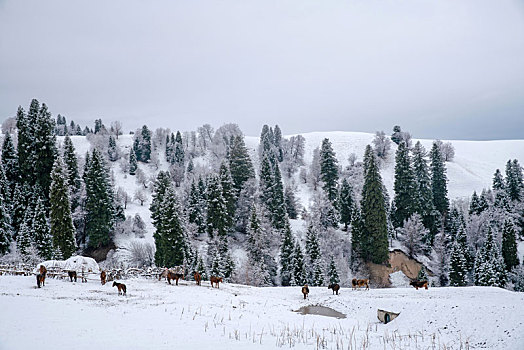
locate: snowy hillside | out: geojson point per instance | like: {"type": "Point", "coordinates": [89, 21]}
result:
{"type": "Point", "coordinates": [155, 315]}
{"type": "Point", "coordinates": [471, 170]}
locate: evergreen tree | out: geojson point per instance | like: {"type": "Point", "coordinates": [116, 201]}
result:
{"type": "Point", "coordinates": [474, 204]}
{"type": "Point", "coordinates": [227, 265]}
{"type": "Point", "coordinates": [133, 166]}
{"type": "Point", "coordinates": [45, 149]}
{"type": "Point", "coordinates": [112, 149]}
{"type": "Point", "coordinates": [42, 233]}
{"type": "Point", "coordinates": [458, 266]}
{"type": "Point", "coordinates": [145, 146]}
{"type": "Point", "coordinates": [315, 273]}
{"type": "Point", "coordinates": [71, 164]}
{"type": "Point", "coordinates": [266, 183]}
{"type": "Point", "coordinates": [62, 229]}
{"type": "Point", "coordinates": [278, 205]}
{"type": "Point", "coordinates": [332, 272]}
{"type": "Point", "coordinates": [290, 203]}
{"type": "Point", "coordinates": [179, 154]}
{"type": "Point", "coordinates": [201, 269]}
{"type": "Point", "coordinates": [299, 270]}
{"type": "Point", "coordinates": [286, 257]}
{"type": "Point", "coordinates": [413, 233]}
{"type": "Point", "coordinates": [404, 187]}
{"type": "Point", "coordinates": [509, 246]}
{"type": "Point", "coordinates": [373, 242]}
{"type": "Point", "coordinates": [196, 211]}
{"type": "Point", "coordinates": [217, 217]}
{"type": "Point", "coordinates": [240, 163]}
{"type": "Point", "coordinates": [489, 265]}
{"type": "Point", "coordinates": [498, 181]}
{"type": "Point", "coordinates": [514, 183]}
{"type": "Point", "coordinates": [346, 203]}
{"type": "Point", "coordinates": [329, 170]}
{"type": "Point", "coordinates": [99, 205]}
{"type": "Point", "coordinates": [439, 181]}
{"type": "Point", "coordinates": [260, 261]}
{"type": "Point", "coordinates": [5, 227]}
{"type": "Point", "coordinates": [228, 193]}
{"type": "Point", "coordinates": [10, 162]}
{"type": "Point", "coordinates": [169, 236]}
{"type": "Point", "coordinates": [25, 238]}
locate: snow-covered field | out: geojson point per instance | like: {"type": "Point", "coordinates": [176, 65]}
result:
{"type": "Point", "coordinates": [155, 315]}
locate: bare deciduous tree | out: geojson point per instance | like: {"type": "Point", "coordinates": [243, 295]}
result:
{"type": "Point", "coordinates": [117, 127]}
{"type": "Point", "coordinates": [140, 196]}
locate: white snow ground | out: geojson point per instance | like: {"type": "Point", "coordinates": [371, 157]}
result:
{"type": "Point", "coordinates": [155, 315]}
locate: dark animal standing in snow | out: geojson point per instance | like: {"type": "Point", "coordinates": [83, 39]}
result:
{"type": "Point", "coordinates": [216, 280]}
{"type": "Point", "coordinates": [163, 274]}
{"type": "Point", "coordinates": [40, 278]}
{"type": "Point", "coordinates": [419, 284]}
{"type": "Point", "coordinates": [121, 288]}
{"type": "Point", "coordinates": [174, 276]}
{"type": "Point", "coordinates": [197, 278]}
{"type": "Point", "coordinates": [360, 283]}
{"type": "Point", "coordinates": [72, 275]}
{"type": "Point", "coordinates": [335, 287]}
{"type": "Point", "coordinates": [103, 277]}
{"type": "Point", "coordinates": [305, 291]}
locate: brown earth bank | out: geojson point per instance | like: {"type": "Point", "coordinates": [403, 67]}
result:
{"type": "Point", "coordinates": [398, 261]}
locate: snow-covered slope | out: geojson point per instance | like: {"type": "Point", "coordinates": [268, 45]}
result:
{"type": "Point", "coordinates": [155, 315]}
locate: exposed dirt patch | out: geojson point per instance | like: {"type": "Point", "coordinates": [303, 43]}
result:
{"type": "Point", "coordinates": [398, 261]}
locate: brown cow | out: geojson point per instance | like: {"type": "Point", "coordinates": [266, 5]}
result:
{"type": "Point", "coordinates": [103, 277]}
{"type": "Point", "coordinates": [335, 287]}
{"type": "Point", "coordinates": [215, 280]}
{"type": "Point", "coordinates": [305, 291]}
{"type": "Point", "coordinates": [197, 278]}
{"type": "Point", "coordinates": [419, 284]}
{"type": "Point", "coordinates": [356, 283]}
{"type": "Point", "coordinates": [121, 288]}
{"type": "Point", "coordinates": [174, 276]}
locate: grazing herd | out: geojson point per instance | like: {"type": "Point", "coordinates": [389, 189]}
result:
{"type": "Point", "coordinates": [177, 274]}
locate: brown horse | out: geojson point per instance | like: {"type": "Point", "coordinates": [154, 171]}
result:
{"type": "Point", "coordinates": [335, 287]}
{"type": "Point", "coordinates": [43, 273]}
{"type": "Point", "coordinates": [356, 283]}
{"type": "Point", "coordinates": [121, 288]}
{"type": "Point", "coordinates": [305, 291]}
{"type": "Point", "coordinates": [215, 280]}
{"type": "Point", "coordinates": [197, 278]}
{"type": "Point", "coordinates": [72, 275]}
{"type": "Point", "coordinates": [419, 284]}
{"type": "Point", "coordinates": [103, 276]}
{"type": "Point", "coordinates": [174, 276]}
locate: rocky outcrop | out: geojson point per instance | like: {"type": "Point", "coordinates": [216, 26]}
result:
{"type": "Point", "coordinates": [398, 261]}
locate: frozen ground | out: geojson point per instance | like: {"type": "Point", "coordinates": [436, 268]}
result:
{"type": "Point", "coordinates": [155, 315]}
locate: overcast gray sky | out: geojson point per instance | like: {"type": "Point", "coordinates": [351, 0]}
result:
{"type": "Point", "coordinates": [440, 69]}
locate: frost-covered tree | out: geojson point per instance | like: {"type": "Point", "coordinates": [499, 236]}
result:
{"type": "Point", "coordinates": [262, 264]}
{"type": "Point", "coordinates": [299, 276]}
{"type": "Point", "coordinates": [240, 163]}
{"type": "Point", "coordinates": [133, 166]}
{"type": "Point", "coordinates": [382, 144]}
{"type": "Point", "coordinates": [217, 216]}
{"type": "Point", "coordinates": [439, 181]}
{"type": "Point", "coordinates": [286, 257]}
{"type": "Point", "coordinates": [9, 162]}
{"type": "Point", "coordinates": [112, 150]}
{"type": "Point", "coordinates": [458, 265]}
{"type": "Point", "coordinates": [196, 208]}
{"type": "Point", "coordinates": [228, 193]}
{"type": "Point", "coordinates": [314, 169]}
{"type": "Point", "coordinates": [489, 265]}
{"type": "Point", "coordinates": [313, 258]}
{"type": "Point", "coordinates": [142, 144]}
{"type": "Point", "coordinates": [291, 202]}
{"type": "Point", "coordinates": [61, 220]}
{"type": "Point", "coordinates": [412, 235]}
{"type": "Point", "coordinates": [169, 236]}
{"type": "Point", "coordinates": [41, 231]}
{"type": "Point", "coordinates": [514, 184]}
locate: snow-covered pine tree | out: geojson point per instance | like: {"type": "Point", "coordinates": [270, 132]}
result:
{"type": "Point", "coordinates": [257, 252]}
{"type": "Point", "coordinates": [509, 245]}
{"type": "Point", "coordinates": [413, 233]}
{"type": "Point", "coordinates": [346, 203]}
{"type": "Point", "coordinates": [228, 193]}
{"type": "Point", "coordinates": [474, 204]}
{"type": "Point", "coordinates": [44, 149]}
{"type": "Point", "coordinates": [278, 205]}
{"type": "Point", "coordinates": [458, 266]}
{"type": "Point", "coordinates": [112, 150]}
{"type": "Point", "coordinates": [9, 162]}
{"type": "Point", "coordinates": [404, 187]}
{"type": "Point", "coordinates": [61, 221]}
{"type": "Point", "coordinates": [5, 227]}
{"type": "Point", "coordinates": [291, 202]}
{"type": "Point", "coordinates": [382, 144]}
{"type": "Point", "coordinates": [41, 231]}
{"type": "Point", "coordinates": [313, 258]}
{"type": "Point", "coordinates": [514, 184]}
{"type": "Point", "coordinates": [329, 170]}
{"type": "Point", "coordinates": [169, 237]}
{"type": "Point", "coordinates": [145, 144]}
{"type": "Point", "coordinates": [314, 169]}
{"type": "Point", "coordinates": [217, 220]}
{"type": "Point", "coordinates": [133, 166]}
{"type": "Point", "coordinates": [299, 270]}
{"type": "Point", "coordinates": [25, 238]}
{"type": "Point", "coordinates": [332, 271]}
{"type": "Point", "coordinates": [489, 265]}
{"type": "Point", "coordinates": [99, 204]}
{"type": "Point", "coordinates": [240, 163]}
{"type": "Point", "coordinates": [422, 274]}
{"type": "Point", "coordinates": [439, 181]}
{"type": "Point", "coordinates": [179, 154]}
{"type": "Point", "coordinates": [195, 210]}
{"type": "Point", "coordinates": [277, 141]}
{"type": "Point", "coordinates": [286, 257]}
{"type": "Point", "coordinates": [201, 269]}
{"type": "Point", "coordinates": [373, 243]}
{"type": "Point", "coordinates": [498, 181]}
